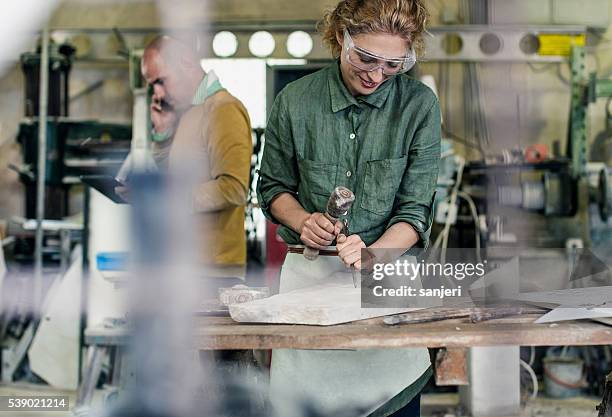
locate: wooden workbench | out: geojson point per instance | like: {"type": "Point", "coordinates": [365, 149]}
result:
{"type": "Point", "coordinates": [222, 333]}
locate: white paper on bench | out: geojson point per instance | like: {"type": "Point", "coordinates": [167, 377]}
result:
{"type": "Point", "coordinates": [572, 303]}
{"type": "Point", "coordinates": [589, 297]}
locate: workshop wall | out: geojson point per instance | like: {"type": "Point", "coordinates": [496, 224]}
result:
{"type": "Point", "coordinates": [89, 14]}
{"type": "Point", "coordinates": [524, 104]}
{"type": "Point", "coordinates": [11, 103]}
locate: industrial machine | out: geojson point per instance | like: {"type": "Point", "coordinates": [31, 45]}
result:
{"type": "Point", "coordinates": [535, 197]}
{"type": "Point", "coordinates": [74, 147]}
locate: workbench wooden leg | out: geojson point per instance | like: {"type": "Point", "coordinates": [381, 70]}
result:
{"type": "Point", "coordinates": [451, 367]}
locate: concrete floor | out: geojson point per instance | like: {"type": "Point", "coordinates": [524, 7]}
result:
{"type": "Point", "coordinates": [575, 407]}
{"type": "Point", "coordinates": [446, 405]}
{"type": "Point", "coordinates": [433, 405]}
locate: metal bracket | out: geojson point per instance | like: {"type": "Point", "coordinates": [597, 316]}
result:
{"type": "Point", "coordinates": [451, 367]}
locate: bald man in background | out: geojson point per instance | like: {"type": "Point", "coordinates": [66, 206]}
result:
{"type": "Point", "coordinates": [199, 125]}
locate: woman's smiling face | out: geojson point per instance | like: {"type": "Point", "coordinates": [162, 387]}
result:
{"type": "Point", "coordinates": [360, 82]}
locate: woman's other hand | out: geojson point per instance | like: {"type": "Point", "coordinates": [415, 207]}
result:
{"type": "Point", "coordinates": [349, 250]}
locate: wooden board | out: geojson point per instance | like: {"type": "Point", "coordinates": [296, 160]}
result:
{"type": "Point", "coordinates": [222, 333]}
{"type": "Point", "coordinates": [322, 305]}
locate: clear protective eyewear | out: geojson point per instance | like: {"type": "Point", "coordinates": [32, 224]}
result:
{"type": "Point", "coordinates": [365, 60]}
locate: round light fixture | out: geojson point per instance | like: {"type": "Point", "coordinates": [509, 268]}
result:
{"type": "Point", "coordinates": [262, 44]}
{"type": "Point", "coordinates": [490, 44]}
{"type": "Point", "coordinates": [299, 44]}
{"type": "Point", "coordinates": [225, 44]}
{"type": "Point", "coordinates": [530, 44]}
{"type": "Point", "coordinates": [452, 43]}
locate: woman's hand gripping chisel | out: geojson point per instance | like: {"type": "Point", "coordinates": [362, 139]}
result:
{"type": "Point", "coordinates": [338, 205]}
{"type": "Point", "coordinates": [354, 272]}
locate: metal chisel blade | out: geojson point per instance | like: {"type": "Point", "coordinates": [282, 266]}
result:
{"type": "Point", "coordinates": [356, 277]}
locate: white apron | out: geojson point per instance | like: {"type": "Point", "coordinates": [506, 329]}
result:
{"type": "Point", "coordinates": [337, 379]}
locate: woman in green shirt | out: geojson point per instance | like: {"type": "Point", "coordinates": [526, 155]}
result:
{"type": "Point", "coordinates": [359, 123]}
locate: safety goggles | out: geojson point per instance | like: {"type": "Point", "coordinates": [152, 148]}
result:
{"type": "Point", "coordinates": [367, 61]}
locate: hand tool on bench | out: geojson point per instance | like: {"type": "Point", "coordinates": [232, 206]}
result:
{"type": "Point", "coordinates": [428, 315]}
{"type": "Point", "coordinates": [475, 314]}
{"type": "Point", "coordinates": [484, 314]}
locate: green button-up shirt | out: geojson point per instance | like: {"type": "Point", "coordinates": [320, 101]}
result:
{"type": "Point", "coordinates": [385, 147]}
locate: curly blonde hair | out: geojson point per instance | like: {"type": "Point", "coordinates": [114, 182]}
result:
{"type": "Point", "coordinates": [406, 18]}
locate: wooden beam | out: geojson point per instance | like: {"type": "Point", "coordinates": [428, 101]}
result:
{"type": "Point", "coordinates": [223, 333]}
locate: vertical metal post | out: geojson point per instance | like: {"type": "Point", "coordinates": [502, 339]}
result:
{"type": "Point", "coordinates": [41, 168]}
{"type": "Point", "coordinates": [84, 277]}
{"type": "Point", "coordinates": [577, 141]}
{"type": "Point", "coordinates": [65, 249]}
{"type": "Point", "coordinates": [495, 383]}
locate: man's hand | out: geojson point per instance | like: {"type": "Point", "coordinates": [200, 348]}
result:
{"type": "Point", "coordinates": [318, 231]}
{"type": "Point", "coordinates": [163, 117]}
{"type": "Point", "coordinates": [349, 250]}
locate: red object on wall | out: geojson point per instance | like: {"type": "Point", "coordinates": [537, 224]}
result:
{"type": "Point", "coordinates": [276, 250]}
{"type": "Point", "coordinates": [536, 153]}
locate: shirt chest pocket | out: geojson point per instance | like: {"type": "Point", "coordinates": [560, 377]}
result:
{"type": "Point", "coordinates": [381, 182]}
{"type": "Point", "coordinates": [316, 178]}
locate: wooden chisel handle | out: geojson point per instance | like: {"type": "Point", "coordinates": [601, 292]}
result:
{"type": "Point", "coordinates": [311, 253]}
